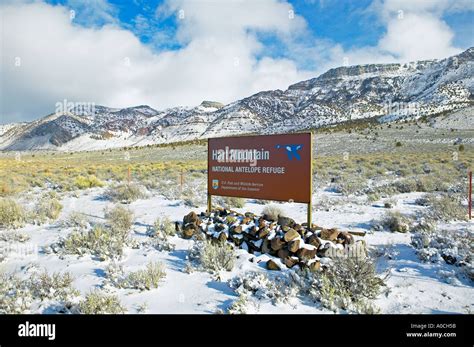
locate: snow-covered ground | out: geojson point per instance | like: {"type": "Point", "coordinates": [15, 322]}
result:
{"type": "Point", "coordinates": [412, 285]}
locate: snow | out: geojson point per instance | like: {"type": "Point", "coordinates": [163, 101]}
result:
{"type": "Point", "coordinates": [413, 286]}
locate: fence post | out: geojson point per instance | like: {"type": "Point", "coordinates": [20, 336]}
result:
{"type": "Point", "coordinates": [469, 199]}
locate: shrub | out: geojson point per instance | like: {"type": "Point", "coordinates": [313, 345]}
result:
{"type": "Point", "coordinates": [125, 193]}
{"type": "Point", "coordinates": [13, 236]}
{"type": "Point", "coordinates": [349, 283]}
{"type": "Point", "coordinates": [461, 148]}
{"type": "Point", "coordinates": [77, 220]}
{"type": "Point", "coordinates": [12, 214]}
{"type": "Point", "coordinates": [372, 197]}
{"type": "Point", "coordinates": [446, 208]}
{"type": "Point", "coordinates": [164, 227]}
{"type": "Point", "coordinates": [407, 185]}
{"type": "Point", "coordinates": [396, 222]}
{"type": "Point", "coordinates": [90, 181]}
{"type": "Point", "coordinates": [230, 202]}
{"type": "Point", "coordinates": [16, 295]}
{"type": "Point", "coordinates": [278, 288]}
{"type": "Point", "coordinates": [55, 286]}
{"type": "Point", "coordinates": [452, 246]}
{"type": "Point", "coordinates": [100, 241]}
{"type": "Point", "coordinates": [146, 279]}
{"type": "Point", "coordinates": [99, 303]}
{"type": "Point", "coordinates": [271, 212]}
{"type": "Point", "coordinates": [213, 256]}
{"type": "Point", "coordinates": [398, 144]}
{"type": "Point", "coordinates": [120, 220]}
{"type": "Point", "coordinates": [240, 305]}
{"type": "Point", "coordinates": [47, 209]}
{"type": "Point", "coordinates": [352, 185]}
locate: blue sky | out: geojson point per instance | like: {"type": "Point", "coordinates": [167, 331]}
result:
{"type": "Point", "coordinates": [350, 23]}
{"type": "Point", "coordinates": [179, 52]}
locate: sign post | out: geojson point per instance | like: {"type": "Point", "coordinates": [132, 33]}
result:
{"type": "Point", "coordinates": [268, 167]}
{"type": "Point", "coordinates": [209, 203]}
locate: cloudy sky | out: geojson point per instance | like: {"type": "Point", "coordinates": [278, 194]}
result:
{"type": "Point", "coordinates": [122, 53]}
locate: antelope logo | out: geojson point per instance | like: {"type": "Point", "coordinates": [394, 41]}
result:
{"type": "Point", "coordinates": [291, 151]}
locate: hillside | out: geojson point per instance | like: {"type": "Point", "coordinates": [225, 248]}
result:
{"type": "Point", "coordinates": [387, 92]}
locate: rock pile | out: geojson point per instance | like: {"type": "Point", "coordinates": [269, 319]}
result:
{"type": "Point", "coordinates": [293, 244]}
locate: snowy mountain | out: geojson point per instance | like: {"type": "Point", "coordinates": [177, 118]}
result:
{"type": "Point", "coordinates": [386, 91]}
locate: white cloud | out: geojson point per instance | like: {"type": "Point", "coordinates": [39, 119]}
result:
{"type": "Point", "coordinates": [415, 37]}
{"type": "Point", "coordinates": [414, 31]}
{"type": "Point", "coordinates": [109, 65]}
{"type": "Point", "coordinates": [221, 57]}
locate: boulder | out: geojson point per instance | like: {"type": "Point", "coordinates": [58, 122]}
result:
{"type": "Point", "coordinates": [283, 253]}
{"type": "Point", "coordinates": [230, 219]}
{"type": "Point", "coordinates": [277, 243]}
{"type": "Point", "coordinates": [347, 239]}
{"type": "Point", "coordinates": [266, 246]}
{"type": "Point", "coordinates": [329, 234]}
{"type": "Point", "coordinates": [237, 239]}
{"type": "Point", "coordinates": [222, 237]}
{"type": "Point", "coordinates": [252, 231]}
{"type": "Point", "coordinates": [291, 261]}
{"type": "Point", "coordinates": [322, 251]}
{"type": "Point", "coordinates": [291, 235]}
{"type": "Point", "coordinates": [306, 254]}
{"type": "Point", "coordinates": [236, 229]}
{"type": "Point", "coordinates": [270, 217]}
{"type": "Point", "coordinates": [314, 241]}
{"type": "Point", "coordinates": [315, 266]}
{"type": "Point", "coordinates": [224, 212]}
{"type": "Point", "coordinates": [249, 215]}
{"type": "Point", "coordinates": [189, 230]}
{"type": "Point", "coordinates": [263, 232]}
{"type": "Point", "coordinates": [219, 227]}
{"type": "Point", "coordinates": [246, 220]}
{"type": "Point", "coordinates": [315, 227]}
{"type": "Point", "coordinates": [294, 245]}
{"type": "Point", "coordinates": [271, 265]}
{"type": "Point", "coordinates": [191, 217]}
{"type": "Point", "coordinates": [449, 259]}
{"type": "Point", "coordinates": [285, 221]}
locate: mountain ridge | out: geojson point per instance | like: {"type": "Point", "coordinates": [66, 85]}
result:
{"type": "Point", "coordinates": [386, 91]}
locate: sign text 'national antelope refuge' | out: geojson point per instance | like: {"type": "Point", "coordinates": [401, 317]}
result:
{"type": "Point", "coordinates": [269, 167]}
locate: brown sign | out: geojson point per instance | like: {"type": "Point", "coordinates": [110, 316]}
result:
{"type": "Point", "coordinates": [269, 167]}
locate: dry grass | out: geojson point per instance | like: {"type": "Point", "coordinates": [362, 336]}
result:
{"type": "Point", "coordinates": [12, 214]}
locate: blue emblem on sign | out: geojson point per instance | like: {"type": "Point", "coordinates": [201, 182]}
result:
{"type": "Point", "coordinates": [291, 151]}
{"type": "Point", "coordinates": [215, 184]}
